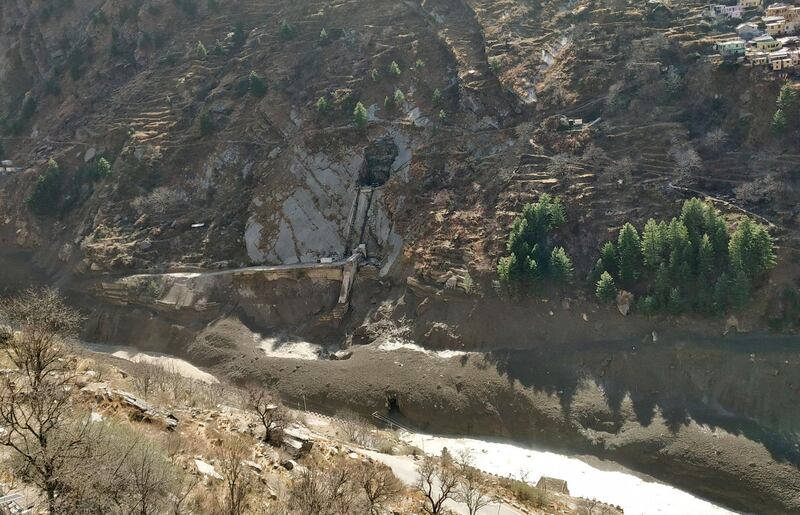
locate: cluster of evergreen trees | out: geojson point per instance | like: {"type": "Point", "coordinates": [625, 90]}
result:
{"type": "Point", "coordinates": [532, 254]}
{"type": "Point", "coordinates": [691, 263]}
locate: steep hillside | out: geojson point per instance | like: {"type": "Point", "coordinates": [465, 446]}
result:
{"type": "Point", "coordinates": [229, 130]}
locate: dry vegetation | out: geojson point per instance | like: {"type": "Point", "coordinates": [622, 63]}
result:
{"type": "Point", "coordinates": [74, 435]}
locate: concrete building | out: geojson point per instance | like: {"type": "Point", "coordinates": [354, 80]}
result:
{"type": "Point", "coordinates": [750, 4]}
{"type": "Point", "coordinates": [731, 47]}
{"type": "Point", "coordinates": [731, 11]}
{"type": "Point", "coordinates": [780, 60]}
{"type": "Point", "coordinates": [748, 30]}
{"type": "Point", "coordinates": [766, 43]}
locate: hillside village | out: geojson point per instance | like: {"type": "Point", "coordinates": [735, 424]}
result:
{"type": "Point", "coordinates": [767, 37]}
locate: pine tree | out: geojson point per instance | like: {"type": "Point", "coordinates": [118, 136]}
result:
{"type": "Point", "coordinates": [322, 105]}
{"type": "Point", "coordinates": [740, 288]}
{"type": "Point", "coordinates": [399, 97]}
{"type": "Point", "coordinates": [654, 243]}
{"type": "Point", "coordinates": [394, 69]}
{"type": "Point", "coordinates": [437, 96]}
{"type": "Point", "coordinates": [323, 36]}
{"type": "Point", "coordinates": [287, 30]}
{"type": "Point", "coordinates": [560, 265]}
{"type": "Point", "coordinates": [200, 50]}
{"type": "Point", "coordinates": [239, 36]}
{"type": "Point", "coordinates": [721, 293]}
{"type": "Point", "coordinates": [675, 303]}
{"type": "Point", "coordinates": [258, 86]}
{"type": "Point", "coordinates": [779, 121]}
{"type": "Point", "coordinates": [629, 248]}
{"type": "Point", "coordinates": [508, 268]}
{"type": "Point", "coordinates": [606, 288]}
{"type": "Point", "coordinates": [787, 98]}
{"type": "Point", "coordinates": [360, 115]}
{"type": "Point", "coordinates": [751, 249]}
{"type": "Point", "coordinates": [717, 230]}
{"type": "Point", "coordinates": [662, 285]}
{"type": "Point", "coordinates": [705, 259]}
{"type": "Point", "coordinates": [608, 256]}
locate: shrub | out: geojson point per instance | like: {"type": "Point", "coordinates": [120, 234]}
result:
{"type": "Point", "coordinates": [494, 65]}
{"type": "Point", "coordinates": [44, 199]}
{"type": "Point", "coordinates": [398, 97]}
{"type": "Point", "coordinates": [239, 36]}
{"type": "Point", "coordinates": [360, 115]}
{"type": "Point", "coordinates": [206, 124]}
{"type": "Point", "coordinates": [419, 64]}
{"type": "Point", "coordinates": [394, 69]}
{"type": "Point", "coordinates": [323, 37]}
{"type": "Point", "coordinates": [287, 30]}
{"type": "Point", "coordinates": [100, 170]}
{"type": "Point", "coordinates": [779, 121]}
{"type": "Point", "coordinates": [322, 105]}
{"type": "Point", "coordinates": [258, 86]}
{"type": "Point", "coordinates": [437, 96]}
{"type": "Point", "coordinates": [374, 75]}
{"type": "Point", "coordinates": [200, 50]}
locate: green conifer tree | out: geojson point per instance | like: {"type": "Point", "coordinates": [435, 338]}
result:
{"type": "Point", "coordinates": [360, 116]}
{"type": "Point", "coordinates": [629, 250]}
{"type": "Point", "coordinates": [560, 265]}
{"type": "Point", "coordinates": [606, 288]}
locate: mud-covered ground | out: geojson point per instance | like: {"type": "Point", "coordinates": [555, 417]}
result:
{"type": "Point", "coordinates": [679, 411]}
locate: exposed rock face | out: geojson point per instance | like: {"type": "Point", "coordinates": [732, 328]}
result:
{"type": "Point", "coordinates": [378, 159]}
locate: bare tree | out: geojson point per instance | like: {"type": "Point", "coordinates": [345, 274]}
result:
{"type": "Point", "coordinates": [147, 378]}
{"type": "Point", "coordinates": [355, 427]}
{"type": "Point", "coordinates": [687, 161]}
{"type": "Point", "coordinates": [236, 477]}
{"type": "Point", "coordinates": [36, 401]}
{"type": "Point", "coordinates": [45, 323]}
{"type": "Point", "coordinates": [560, 164]}
{"type": "Point", "coordinates": [621, 170]}
{"type": "Point", "coordinates": [267, 407]}
{"type": "Point", "coordinates": [437, 481]}
{"type": "Point", "coordinates": [715, 140]}
{"type": "Point", "coordinates": [328, 490]}
{"type": "Point", "coordinates": [471, 488]}
{"type": "Point", "coordinates": [378, 483]}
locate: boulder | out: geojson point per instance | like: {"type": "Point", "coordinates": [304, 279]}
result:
{"type": "Point", "coordinates": [624, 302]}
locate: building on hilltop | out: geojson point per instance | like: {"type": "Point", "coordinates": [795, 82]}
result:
{"type": "Point", "coordinates": [750, 4]}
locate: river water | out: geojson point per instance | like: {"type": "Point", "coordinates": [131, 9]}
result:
{"type": "Point", "coordinates": [605, 481]}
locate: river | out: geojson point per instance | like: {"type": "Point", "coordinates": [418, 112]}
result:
{"type": "Point", "coordinates": [605, 481]}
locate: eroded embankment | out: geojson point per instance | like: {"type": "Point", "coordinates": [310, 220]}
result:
{"type": "Point", "coordinates": [718, 418]}
{"type": "Point", "coordinates": [691, 415]}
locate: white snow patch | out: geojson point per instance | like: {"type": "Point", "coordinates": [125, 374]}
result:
{"type": "Point", "coordinates": [636, 494]}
